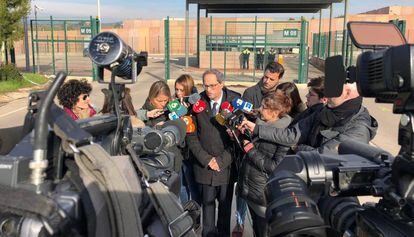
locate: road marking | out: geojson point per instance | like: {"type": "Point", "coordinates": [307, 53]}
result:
{"type": "Point", "coordinates": [14, 111]}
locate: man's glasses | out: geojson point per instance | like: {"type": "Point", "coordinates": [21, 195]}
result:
{"type": "Point", "coordinates": [85, 97]}
{"type": "Point", "coordinates": [210, 86]}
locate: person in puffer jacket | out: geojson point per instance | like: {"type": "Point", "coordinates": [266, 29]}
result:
{"type": "Point", "coordinates": [262, 157]}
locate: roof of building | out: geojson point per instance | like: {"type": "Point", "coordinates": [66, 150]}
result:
{"type": "Point", "coordinates": [263, 6]}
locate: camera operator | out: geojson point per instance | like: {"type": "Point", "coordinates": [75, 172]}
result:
{"type": "Point", "coordinates": [212, 149]}
{"type": "Point", "coordinates": [341, 119]}
{"type": "Point", "coordinates": [315, 98]}
{"type": "Point", "coordinates": [262, 157]}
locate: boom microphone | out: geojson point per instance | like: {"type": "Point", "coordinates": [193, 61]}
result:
{"type": "Point", "coordinates": [358, 148]}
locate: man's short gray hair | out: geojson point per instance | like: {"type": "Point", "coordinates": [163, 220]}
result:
{"type": "Point", "coordinates": [219, 75]}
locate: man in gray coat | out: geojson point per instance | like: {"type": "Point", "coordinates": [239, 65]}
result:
{"type": "Point", "coordinates": [343, 118]}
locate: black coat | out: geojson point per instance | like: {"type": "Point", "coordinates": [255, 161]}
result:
{"type": "Point", "coordinates": [254, 95]}
{"type": "Point", "coordinates": [211, 140]}
{"type": "Point", "coordinates": [258, 164]}
{"type": "Point", "coordinates": [309, 111]}
{"type": "Point", "coordinates": [360, 127]}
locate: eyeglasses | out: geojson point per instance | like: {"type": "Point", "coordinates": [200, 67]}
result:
{"type": "Point", "coordinates": [85, 97]}
{"type": "Point", "coordinates": [210, 86]}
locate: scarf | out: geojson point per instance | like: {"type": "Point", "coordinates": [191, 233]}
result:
{"type": "Point", "coordinates": [334, 117]}
{"type": "Point", "coordinates": [264, 90]}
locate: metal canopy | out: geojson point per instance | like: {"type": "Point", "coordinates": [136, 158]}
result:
{"type": "Point", "coordinates": [263, 6]}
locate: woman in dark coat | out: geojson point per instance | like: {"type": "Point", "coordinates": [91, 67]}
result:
{"type": "Point", "coordinates": [261, 159]}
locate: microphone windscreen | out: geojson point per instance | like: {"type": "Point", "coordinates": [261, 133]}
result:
{"type": "Point", "coordinates": [193, 98]}
{"type": "Point", "coordinates": [226, 106]}
{"type": "Point", "coordinates": [181, 111]}
{"type": "Point", "coordinates": [220, 119]}
{"type": "Point", "coordinates": [173, 105]}
{"type": "Point", "coordinates": [173, 116]}
{"type": "Point", "coordinates": [190, 124]}
{"type": "Point", "coordinates": [199, 107]}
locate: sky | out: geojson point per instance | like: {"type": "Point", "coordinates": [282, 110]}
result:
{"type": "Point", "coordinates": [117, 10]}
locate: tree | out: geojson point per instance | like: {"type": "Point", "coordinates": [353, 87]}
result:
{"type": "Point", "coordinates": [11, 28]}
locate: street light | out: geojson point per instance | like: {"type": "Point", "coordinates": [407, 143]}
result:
{"type": "Point", "coordinates": [98, 3]}
{"type": "Point", "coordinates": [36, 8]}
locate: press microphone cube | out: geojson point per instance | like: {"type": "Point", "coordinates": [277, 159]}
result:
{"type": "Point", "coordinates": [173, 106]}
{"type": "Point", "coordinates": [173, 116]}
{"type": "Point", "coordinates": [181, 111]}
{"type": "Point", "coordinates": [199, 107]}
{"type": "Point", "coordinates": [242, 105]}
{"type": "Point", "coordinates": [190, 124]}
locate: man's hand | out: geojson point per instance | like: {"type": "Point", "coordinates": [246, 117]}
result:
{"type": "Point", "coordinates": [154, 113]}
{"type": "Point", "coordinates": [247, 125]}
{"type": "Point", "coordinates": [214, 165]}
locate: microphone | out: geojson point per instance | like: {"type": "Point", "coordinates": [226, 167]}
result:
{"type": "Point", "coordinates": [193, 98]}
{"type": "Point", "coordinates": [173, 105]}
{"type": "Point", "coordinates": [180, 112]}
{"type": "Point", "coordinates": [227, 107]}
{"type": "Point", "coordinates": [220, 119]}
{"type": "Point", "coordinates": [199, 107]}
{"type": "Point", "coordinates": [190, 123]}
{"type": "Point", "coordinates": [242, 105]}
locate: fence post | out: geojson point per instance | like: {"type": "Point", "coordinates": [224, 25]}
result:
{"type": "Point", "coordinates": [33, 52]}
{"type": "Point", "coordinates": [211, 40]}
{"type": "Point", "coordinates": [53, 45]}
{"type": "Point", "coordinates": [254, 49]}
{"type": "Point", "coordinates": [167, 47]}
{"type": "Point", "coordinates": [302, 52]}
{"type": "Point", "coordinates": [66, 45]}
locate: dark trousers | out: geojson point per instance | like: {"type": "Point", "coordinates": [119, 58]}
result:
{"type": "Point", "coordinates": [259, 224]}
{"type": "Point", "coordinates": [224, 195]}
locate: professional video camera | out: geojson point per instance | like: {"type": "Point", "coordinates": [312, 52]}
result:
{"type": "Point", "coordinates": [312, 194]}
{"type": "Point", "coordinates": [93, 177]}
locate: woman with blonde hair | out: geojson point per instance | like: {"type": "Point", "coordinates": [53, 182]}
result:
{"type": "Point", "coordinates": [184, 86]}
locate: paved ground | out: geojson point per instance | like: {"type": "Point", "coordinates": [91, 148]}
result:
{"type": "Point", "coordinates": [13, 106]}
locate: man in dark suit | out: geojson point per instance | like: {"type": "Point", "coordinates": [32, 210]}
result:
{"type": "Point", "coordinates": [213, 152]}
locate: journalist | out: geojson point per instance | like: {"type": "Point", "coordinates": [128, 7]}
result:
{"type": "Point", "coordinates": [212, 148]}
{"type": "Point", "coordinates": [261, 159]}
{"type": "Point", "coordinates": [292, 91]}
{"type": "Point", "coordinates": [184, 87]}
{"type": "Point", "coordinates": [315, 98]}
{"type": "Point", "coordinates": [74, 97]}
{"type": "Point", "coordinates": [341, 119]}
{"type": "Point", "coordinates": [272, 74]}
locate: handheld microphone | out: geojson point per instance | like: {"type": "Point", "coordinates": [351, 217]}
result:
{"type": "Point", "coordinates": [227, 107]}
{"type": "Point", "coordinates": [190, 124]}
{"type": "Point", "coordinates": [193, 98]}
{"type": "Point", "coordinates": [220, 119]}
{"type": "Point", "coordinates": [242, 105]}
{"type": "Point", "coordinates": [199, 107]}
{"type": "Point", "coordinates": [173, 105]}
{"type": "Point", "coordinates": [180, 112]}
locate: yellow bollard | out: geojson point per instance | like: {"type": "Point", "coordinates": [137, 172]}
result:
{"type": "Point", "coordinates": [280, 59]}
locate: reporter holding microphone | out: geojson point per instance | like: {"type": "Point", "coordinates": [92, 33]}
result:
{"type": "Point", "coordinates": [213, 151]}
{"type": "Point", "coordinates": [262, 157]}
{"type": "Point", "coordinates": [184, 88]}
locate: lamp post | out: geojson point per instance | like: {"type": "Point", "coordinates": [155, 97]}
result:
{"type": "Point", "coordinates": [98, 5]}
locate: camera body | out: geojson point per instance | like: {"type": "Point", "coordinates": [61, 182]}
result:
{"type": "Point", "coordinates": [93, 177]}
{"type": "Point", "coordinates": [315, 193]}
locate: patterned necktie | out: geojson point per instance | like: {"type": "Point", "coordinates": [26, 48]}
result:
{"type": "Point", "coordinates": [214, 109]}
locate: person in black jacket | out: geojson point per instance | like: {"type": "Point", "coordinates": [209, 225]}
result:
{"type": "Point", "coordinates": [342, 119]}
{"type": "Point", "coordinates": [271, 77]}
{"type": "Point", "coordinates": [272, 74]}
{"type": "Point", "coordinates": [261, 159]}
{"type": "Point", "coordinates": [315, 99]}
{"type": "Point", "coordinates": [212, 148]}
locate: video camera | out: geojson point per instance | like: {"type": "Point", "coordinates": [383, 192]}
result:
{"type": "Point", "coordinates": [92, 177]}
{"type": "Point", "coordinates": [312, 194]}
